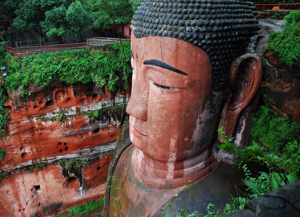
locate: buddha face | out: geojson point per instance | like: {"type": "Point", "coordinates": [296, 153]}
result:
{"type": "Point", "coordinates": [173, 110]}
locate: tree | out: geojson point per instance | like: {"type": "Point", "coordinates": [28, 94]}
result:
{"type": "Point", "coordinates": [108, 12]}
{"type": "Point", "coordinates": [56, 17]}
{"type": "Point", "coordinates": [66, 17]}
{"type": "Point", "coordinates": [62, 21]}
{"type": "Point", "coordinates": [135, 3]}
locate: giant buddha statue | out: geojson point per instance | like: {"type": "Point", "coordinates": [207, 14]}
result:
{"type": "Point", "coordinates": [191, 76]}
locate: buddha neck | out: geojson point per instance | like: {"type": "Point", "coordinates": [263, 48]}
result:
{"type": "Point", "coordinates": [172, 174]}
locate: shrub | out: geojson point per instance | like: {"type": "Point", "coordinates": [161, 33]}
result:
{"type": "Point", "coordinates": [78, 210]}
{"type": "Point", "coordinates": [3, 113]}
{"type": "Point", "coordinates": [271, 161]}
{"type": "Point", "coordinates": [2, 54]}
{"type": "Point", "coordinates": [287, 43]}
{"type": "Point", "coordinates": [109, 66]}
{"type": "Point", "coordinates": [103, 67]}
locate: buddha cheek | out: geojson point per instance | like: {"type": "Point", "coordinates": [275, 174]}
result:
{"type": "Point", "coordinates": [163, 122]}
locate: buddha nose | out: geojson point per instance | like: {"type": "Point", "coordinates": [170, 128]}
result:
{"type": "Point", "coordinates": [137, 105]}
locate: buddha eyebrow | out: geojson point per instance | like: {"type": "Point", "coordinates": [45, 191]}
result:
{"type": "Point", "coordinates": [164, 66]}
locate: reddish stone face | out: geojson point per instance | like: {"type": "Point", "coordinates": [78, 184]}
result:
{"type": "Point", "coordinates": [173, 111]}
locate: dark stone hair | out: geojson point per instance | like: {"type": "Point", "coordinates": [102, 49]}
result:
{"type": "Point", "coordinates": [222, 28]}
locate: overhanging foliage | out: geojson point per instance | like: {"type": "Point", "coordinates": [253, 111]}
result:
{"type": "Point", "coordinates": [109, 66]}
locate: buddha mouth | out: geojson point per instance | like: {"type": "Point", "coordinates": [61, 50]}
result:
{"type": "Point", "coordinates": [137, 126]}
{"type": "Point", "coordinates": [136, 132]}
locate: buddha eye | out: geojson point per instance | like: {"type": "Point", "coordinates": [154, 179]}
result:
{"type": "Point", "coordinates": [165, 87]}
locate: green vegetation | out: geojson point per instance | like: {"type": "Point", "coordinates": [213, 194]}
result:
{"type": "Point", "coordinates": [2, 154]}
{"type": "Point", "coordinates": [181, 213]}
{"type": "Point", "coordinates": [286, 44]}
{"type": "Point", "coordinates": [66, 17]}
{"type": "Point", "coordinates": [65, 164]}
{"type": "Point", "coordinates": [278, 138]}
{"type": "Point", "coordinates": [109, 12]}
{"type": "Point", "coordinates": [270, 162]}
{"type": "Point", "coordinates": [2, 54]}
{"type": "Point", "coordinates": [103, 114]}
{"type": "Point", "coordinates": [3, 97]}
{"type": "Point", "coordinates": [4, 175]}
{"type": "Point", "coordinates": [274, 145]}
{"type": "Point", "coordinates": [103, 67]}
{"type": "Point", "coordinates": [109, 66]}
{"type": "Point", "coordinates": [107, 113]}
{"type": "Point", "coordinates": [37, 166]}
{"type": "Point", "coordinates": [55, 17]}
{"type": "Point", "coordinates": [135, 3]}
{"type": "Point", "coordinates": [3, 113]}
{"type": "Point", "coordinates": [78, 210]}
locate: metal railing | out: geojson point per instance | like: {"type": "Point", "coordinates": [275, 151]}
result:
{"type": "Point", "coordinates": [93, 43]}
{"type": "Point", "coordinates": [101, 41]}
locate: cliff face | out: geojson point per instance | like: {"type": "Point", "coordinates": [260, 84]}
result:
{"type": "Point", "coordinates": [58, 145]}
{"type": "Point", "coordinates": [281, 88]}
{"type": "Point", "coordinates": [46, 191]}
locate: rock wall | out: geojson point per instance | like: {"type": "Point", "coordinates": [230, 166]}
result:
{"type": "Point", "coordinates": [41, 192]}
{"type": "Point", "coordinates": [282, 201]}
{"type": "Point", "coordinates": [281, 87]}
{"type": "Point", "coordinates": [58, 143]}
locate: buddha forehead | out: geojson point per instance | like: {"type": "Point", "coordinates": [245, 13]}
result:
{"type": "Point", "coordinates": [221, 28]}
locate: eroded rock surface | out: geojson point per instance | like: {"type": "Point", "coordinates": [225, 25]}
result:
{"type": "Point", "coordinates": [46, 191]}
{"type": "Point", "coordinates": [58, 145]}
{"type": "Point", "coordinates": [281, 87]}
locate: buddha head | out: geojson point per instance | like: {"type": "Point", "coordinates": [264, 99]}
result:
{"type": "Point", "coordinates": [190, 76]}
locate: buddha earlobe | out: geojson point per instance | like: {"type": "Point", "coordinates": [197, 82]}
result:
{"type": "Point", "coordinates": [244, 82]}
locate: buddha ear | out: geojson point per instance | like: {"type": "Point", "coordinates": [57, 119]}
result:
{"type": "Point", "coordinates": [244, 82]}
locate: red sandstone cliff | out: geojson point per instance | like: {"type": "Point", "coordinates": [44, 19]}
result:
{"type": "Point", "coordinates": [68, 132]}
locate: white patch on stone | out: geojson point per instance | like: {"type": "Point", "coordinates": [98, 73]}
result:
{"type": "Point", "coordinates": [139, 158]}
{"type": "Point", "coordinates": [131, 122]}
{"type": "Point", "coordinates": [238, 136]}
{"type": "Point", "coordinates": [70, 121]}
{"type": "Point", "coordinates": [173, 156]}
{"type": "Point", "coordinates": [81, 190]}
{"type": "Point", "coordinates": [170, 170]}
